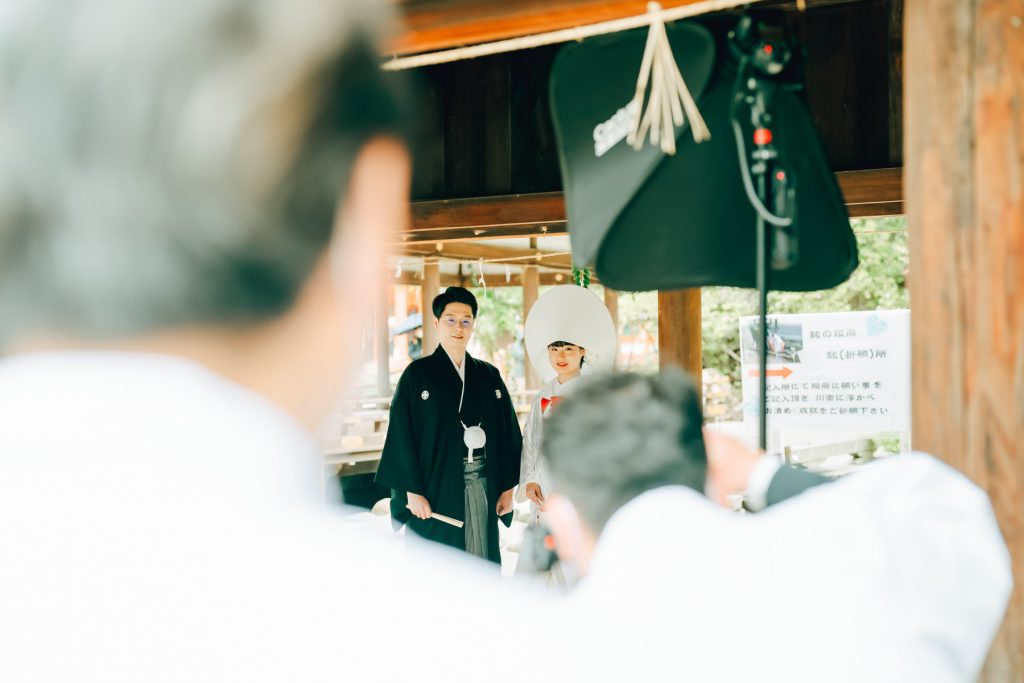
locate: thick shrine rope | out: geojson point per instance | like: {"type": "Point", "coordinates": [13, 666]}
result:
{"type": "Point", "coordinates": [563, 35]}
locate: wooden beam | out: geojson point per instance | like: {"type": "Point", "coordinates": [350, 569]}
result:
{"type": "Point", "coordinates": [546, 279]}
{"type": "Point", "coordinates": [471, 251]}
{"type": "Point", "coordinates": [414, 280]}
{"type": "Point", "coordinates": [450, 23]}
{"type": "Point", "coordinates": [964, 145]}
{"type": "Point", "coordinates": [875, 209]}
{"type": "Point", "coordinates": [444, 24]}
{"type": "Point", "coordinates": [446, 220]}
{"type": "Point", "coordinates": [679, 331]}
{"type": "Point", "coordinates": [876, 192]}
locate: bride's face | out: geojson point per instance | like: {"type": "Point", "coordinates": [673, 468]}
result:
{"type": "Point", "coordinates": [565, 359]}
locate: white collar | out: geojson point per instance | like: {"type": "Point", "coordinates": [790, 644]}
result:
{"type": "Point", "coordinates": [562, 389]}
{"type": "Point", "coordinates": [461, 369]}
{"type": "Point", "coordinates": [553, 388]}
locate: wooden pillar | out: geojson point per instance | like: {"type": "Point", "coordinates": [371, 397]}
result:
{"type": "Point", "coordinates": [679, 331]}
{"type": "Point", "coordinates": [611, 300]}
{"type": "Point", "coordinates": [383, 338]}
{"type": "Point", "coordinates": [964, 156]}
{"type": "Point", "coordinates": [531, 288]}
{"type": "Point", "coordinates": [431, 288]}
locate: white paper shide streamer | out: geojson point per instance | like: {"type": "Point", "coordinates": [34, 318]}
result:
{"type": "Point", "coordinates": [669, 96]}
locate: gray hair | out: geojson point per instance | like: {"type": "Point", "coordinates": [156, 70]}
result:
{"type": "Point", "coordinates": [620, 435]}
{"type": "Point", "coordinates": [176, 163]}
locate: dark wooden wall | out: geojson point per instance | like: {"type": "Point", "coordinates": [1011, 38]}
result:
{"type": "Point", "coordinates": [854, 82]}
{"type": "Point", "coordinates": [484, 125]}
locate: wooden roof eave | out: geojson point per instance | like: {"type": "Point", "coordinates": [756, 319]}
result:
{"type": "Point", "coordinates": [433, 25]}
{"type": "Point", "coordinates": [868, 193]}
{"type": "Point", "coordinates": [442, 24]}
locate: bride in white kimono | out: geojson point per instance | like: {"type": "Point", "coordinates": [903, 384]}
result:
{"type": "Point", "coordinates": [568, 331]}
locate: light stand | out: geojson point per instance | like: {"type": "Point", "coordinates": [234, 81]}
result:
{"type": "Point", "coordinates": [763, 176]}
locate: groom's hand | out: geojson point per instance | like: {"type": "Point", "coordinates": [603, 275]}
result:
{"type": "Point", "coordinates": [504, 503]}
{"type": "Point", "coordinates": [419, 506]}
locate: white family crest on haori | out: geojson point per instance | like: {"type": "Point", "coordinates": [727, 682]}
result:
{"type": "Point", "coordinates": [572, 314]}
{"type": "Point", "coordinates": [425, 395]}
{"type": "Point", "coordinates": [497, 394]}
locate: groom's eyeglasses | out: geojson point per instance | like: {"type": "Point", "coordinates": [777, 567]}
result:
{"type": "Point", "coordinates": [452, 321]}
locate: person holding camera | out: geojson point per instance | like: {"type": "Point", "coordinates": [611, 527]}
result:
{"type": "Point", "coordinates": [894, 573]}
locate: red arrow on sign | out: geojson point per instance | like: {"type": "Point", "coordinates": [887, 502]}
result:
{"type": "Point", "coordinates": [782, 372]}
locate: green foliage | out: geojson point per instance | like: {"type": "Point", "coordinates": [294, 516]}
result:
{"type": "Point", "coordinates": [638, 323]}
{"type": "Point", "coordinates": [878, 283]}
{"type": "Point", "coordinates": [498, 333]}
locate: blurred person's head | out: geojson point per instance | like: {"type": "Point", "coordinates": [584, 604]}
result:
{"type": "Point", "coordinates": [615, 438]}
{"type": "Point", "coordinates": [207, 178]}
{"type": "Point", "coordinates": [454, 316]}
{"type": "Point", "coordinates": [566, 359]}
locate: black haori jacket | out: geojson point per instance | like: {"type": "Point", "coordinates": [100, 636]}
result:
{"type": "Point", "coordinates": [424, 450]}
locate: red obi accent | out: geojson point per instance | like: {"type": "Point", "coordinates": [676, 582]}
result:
{"type": "Point", "coordinates": [545, 402]}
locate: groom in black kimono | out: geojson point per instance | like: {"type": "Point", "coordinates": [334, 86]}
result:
{"type": "Point", "coordinates": [453, 442]}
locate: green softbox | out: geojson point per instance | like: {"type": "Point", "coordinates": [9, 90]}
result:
{"type": "Point", "coordinates": [645, 220]}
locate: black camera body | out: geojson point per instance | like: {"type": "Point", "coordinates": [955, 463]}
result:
{"type": "Point", "coordinates": [537, 554]}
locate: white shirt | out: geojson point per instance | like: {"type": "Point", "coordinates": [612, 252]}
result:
{"type": "Point", "coordinates": [896, 573]}
{"type": "Point", "coordinates": [162, 524]}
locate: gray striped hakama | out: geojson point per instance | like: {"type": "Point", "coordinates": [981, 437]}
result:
{"type": "Point", "coordinates": [476, 508]}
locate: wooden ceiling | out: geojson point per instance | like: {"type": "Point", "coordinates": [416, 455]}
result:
{"type": "Point", "coordinates": [487, 166]}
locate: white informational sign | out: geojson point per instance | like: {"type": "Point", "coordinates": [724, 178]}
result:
{"type": "Point", "coordinates": [830, 371]}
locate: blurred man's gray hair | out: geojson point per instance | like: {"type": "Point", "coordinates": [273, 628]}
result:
{"type": "Point", "coordinates": [178, 162]}
{"type": "Point", "coordinates": [620, 435]}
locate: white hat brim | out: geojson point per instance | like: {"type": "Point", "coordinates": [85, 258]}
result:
{"type": "Point", "coordinates": [575, 315]}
